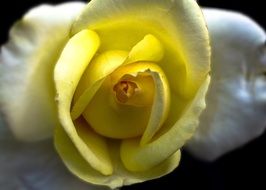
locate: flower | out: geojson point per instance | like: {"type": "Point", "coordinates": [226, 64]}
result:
{"type": "Point", "coordinates": [129, 87]}
{"type": "Point", "coordinates": [45, 37]}
{"type": "Point", "coordinates": [119, 74]}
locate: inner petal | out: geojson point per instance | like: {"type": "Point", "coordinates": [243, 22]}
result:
{"type": "Point", "coordinates": [125, 90]}
{"type": "Point", "coordinates": [135, 90]}
{"type": "Point", "coordinates": [129, 103]}
{"type": "Point", "coordinates": [147, 49]}
{"type": "Point", "coordinates": [117, 111]}
{"type": "Point", "coordinates": [93, 77]}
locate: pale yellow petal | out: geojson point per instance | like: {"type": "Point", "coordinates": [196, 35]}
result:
{"type": "Point", "coordinates": [73, 61]}
{"type": "Point", "coordinates": [178, 25]}
{"type": "Point", "coordinates": [75, 162]}
{"type": "Point", "coordinates": [160, 106]}
{"type": "Point", "coordinates": [130, 177]}
{"type": "Point", "coordinates": [167, 166]}
{"type": "Point", "coordinates": [142, 158]}
{"type": "Point", "coordinates": [121, 176]}
{"type": "Point", "coordinates": [148, 49]}
{"type": "Point", "coordinates": [113, 120]}
{"type": "Point", "coordinates": [92, 79]}
{"type": "Point", "coordinates": [96, 144]}
{"type": "Point", "coordinates": [120, 120]}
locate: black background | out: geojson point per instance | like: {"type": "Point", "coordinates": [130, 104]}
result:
{"type": "Point", "coordinates": [242, 168]}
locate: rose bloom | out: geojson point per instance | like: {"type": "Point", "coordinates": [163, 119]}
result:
{"type": "Point", "coordinates": [118, 85]}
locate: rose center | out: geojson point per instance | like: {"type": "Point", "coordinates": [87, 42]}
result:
{"type": "Point", "coordinates": [125, 90]}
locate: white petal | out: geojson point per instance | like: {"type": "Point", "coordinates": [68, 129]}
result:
{"type": "Point", "coordinates": [236, 101]}
{"type": "Point", "coordinates": [26, 69]}
{"type": "Point", "coordinates": [34, 166]}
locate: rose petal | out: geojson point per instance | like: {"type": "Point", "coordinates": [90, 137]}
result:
{"type": "Point", "coordinates": [177, 24]}
{"type": "Point", "coordinates": [160, 106]}
{"type": "Point", "coordinates": [142, 158]}
{"type": "Point", "coordinates": [26, 69]}
{"type": "Point", "coordinates": [148, 49]}
{"type": "Point", "coordinates": [76, 162]}
{"type": "Point", "coordinates": [121, 176]}
{"type": "Point", "coordinates": [236, 101]}
{"type": "Point", "coordinates": [93, 77]}
{"type": "Point", "coordinates": [80, 49]}
{"type": "Point", "coordinates": [34, 165]}
{"type": "Point", "coordinates": [119, 120]}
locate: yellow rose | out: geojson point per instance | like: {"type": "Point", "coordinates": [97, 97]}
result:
{"type": "Point", "coordinates": [130, 80]}
{"type": "Point", "coordinates": [130, 87]}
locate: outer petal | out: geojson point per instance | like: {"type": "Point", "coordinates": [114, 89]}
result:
{"type": "Point", "coordinates": [236, 101]}
{"type": "Point", "coordinates": [26, 69]}
{"type": "Point", "coordinates": [80, 49]}
{"type": "Point", "coordinates": [121, 175]}
{"type": "Point", "coordinates": [177, 24]}
{"type": "Point", "coordinates": [34, 166]}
